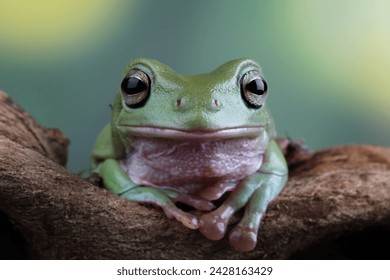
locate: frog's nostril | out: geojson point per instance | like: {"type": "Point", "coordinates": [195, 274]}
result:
{"type": "Point", "coordinates": [215, 104]}
{"type": "Point", "coordinates": [181, 104]}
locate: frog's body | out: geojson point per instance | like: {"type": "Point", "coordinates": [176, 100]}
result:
{"type": "Point", "coordinates": [193, 167]}
{"type": "Point", "coordinates": [192, 139]}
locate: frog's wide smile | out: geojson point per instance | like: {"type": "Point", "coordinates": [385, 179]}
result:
{"type": "Point", "coordinates": [193, 135]}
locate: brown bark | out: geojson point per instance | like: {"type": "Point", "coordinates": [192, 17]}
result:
{"type": "Point", "coordinates": [330, 194]}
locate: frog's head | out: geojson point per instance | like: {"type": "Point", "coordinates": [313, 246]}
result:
{"type": "Point", "coordinates": [155, 101]}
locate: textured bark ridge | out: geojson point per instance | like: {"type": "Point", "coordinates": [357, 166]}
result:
{"type": "Point", "coordinates": [334, 198]}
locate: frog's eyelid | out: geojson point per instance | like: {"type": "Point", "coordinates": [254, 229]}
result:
{"type": "Point", "coordinates": [148, 70]}
{"type": "Point", "coordinates": [242, 74]}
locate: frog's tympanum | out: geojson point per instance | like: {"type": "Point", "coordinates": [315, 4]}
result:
{"type": "Point", "coordinates": [206, 141]}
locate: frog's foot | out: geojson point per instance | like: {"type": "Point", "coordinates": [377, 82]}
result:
{"type": "Point", "coordinates": [254, 193]}
{"type": "Point", "coordinates": [213, 225]}
{"type": "Point", "coordinates": [243, 238]}
{"type": "Point", "coordinates": [159, 198]}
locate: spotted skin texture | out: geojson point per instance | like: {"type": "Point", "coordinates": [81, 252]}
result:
{"type": "Point", "coordinates": [194, 140]}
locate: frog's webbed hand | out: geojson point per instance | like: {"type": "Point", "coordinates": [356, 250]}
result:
{"type": "Point", "coordinates": [256, 191]}
{"type": "Point", "coordinates": [117, 181]}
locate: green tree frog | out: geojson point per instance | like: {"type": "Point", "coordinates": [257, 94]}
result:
{"type": "Point", "coordinates": [206, 141]}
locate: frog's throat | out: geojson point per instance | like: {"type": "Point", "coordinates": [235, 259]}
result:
{"type": "Point", "coordinates": [193, 135]}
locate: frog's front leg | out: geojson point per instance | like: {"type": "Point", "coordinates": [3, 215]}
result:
{"type": "Point", "coordinates": [117, 181]}
{"type": "Point", "coordinates": [256, 191]}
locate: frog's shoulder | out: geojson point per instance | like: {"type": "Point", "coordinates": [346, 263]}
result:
{"type": "Point", "coordinates": [105, 147]}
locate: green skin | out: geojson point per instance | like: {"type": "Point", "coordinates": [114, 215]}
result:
{"type": "Point", "coordinates": [202, 108]}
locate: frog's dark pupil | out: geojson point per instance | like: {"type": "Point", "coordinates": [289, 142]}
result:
{"type": "Point", "coordinates": [133, 85]}
{"type": "Point", "coordinates": [257, 86]}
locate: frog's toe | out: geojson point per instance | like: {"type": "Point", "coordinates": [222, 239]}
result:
{"type": "Point", "coordinates": [161, 199]}
{"type": "Point", "coordinates": [212, 226]}
{"type": "Point", "coordinates": [243, 238]}
{"type": "Point", "coordinates": [187, 219]}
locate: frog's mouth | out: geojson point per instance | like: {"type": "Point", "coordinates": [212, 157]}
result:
{"type": "Point", "coordinates": [194, 135]}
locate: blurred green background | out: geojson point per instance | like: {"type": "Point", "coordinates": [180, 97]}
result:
{"type": "Point", "coordinates": [326, 62]}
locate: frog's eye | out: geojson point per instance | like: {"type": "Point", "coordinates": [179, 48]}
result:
{"type": "Point", "coordinates": [135, 88]}
{"type": "Point", "coordinates": [253, 89]}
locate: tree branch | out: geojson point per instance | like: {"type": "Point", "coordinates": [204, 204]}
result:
{"type": "Point", "coordinates": [330, 194]}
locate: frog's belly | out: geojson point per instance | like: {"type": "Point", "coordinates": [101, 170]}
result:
{"type": "Point", "coordinates": [193, 167]}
